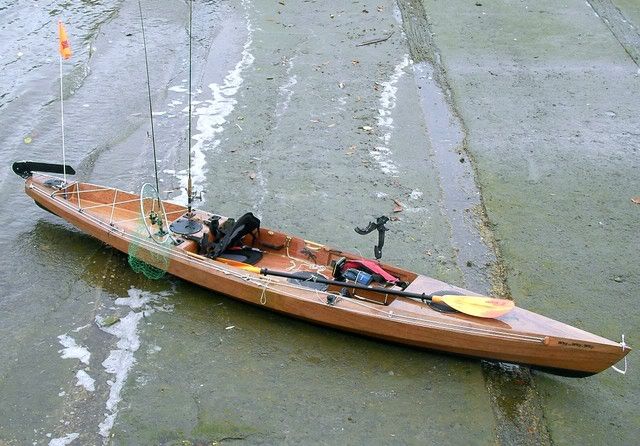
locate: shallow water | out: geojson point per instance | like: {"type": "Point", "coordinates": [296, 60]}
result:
{"type": "Point", "coordinates": [93, 353]}
{"type": "Point", "coordinates": [315, 135]}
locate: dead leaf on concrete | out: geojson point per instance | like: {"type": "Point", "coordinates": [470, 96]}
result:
{"type": "Point", "coordinates": [635, 200]}
{"type": "Point", "coordinates": [398, 206]}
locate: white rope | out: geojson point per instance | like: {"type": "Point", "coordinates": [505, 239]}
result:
{"type": "Point", "coordinates": [622, 371]}
{"type": "Point", "coordinates": [263, 296]}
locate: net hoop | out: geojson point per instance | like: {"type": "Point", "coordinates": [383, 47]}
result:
{"type": "Point", "coordinates": [155, 221]}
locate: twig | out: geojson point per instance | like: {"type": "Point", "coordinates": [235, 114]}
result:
{"type": "Point", "coordinates": [371, 42]}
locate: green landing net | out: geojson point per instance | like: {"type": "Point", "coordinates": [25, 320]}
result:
{"type": "Point", "coordinates": [148, 251]}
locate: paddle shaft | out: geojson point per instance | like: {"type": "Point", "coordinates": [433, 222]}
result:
{"type": "Point", "coordinates": [423, 297]}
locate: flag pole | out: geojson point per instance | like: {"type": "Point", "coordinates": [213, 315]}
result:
{"type": "Point", "coordinates": [64, 161]}
{"type": "Point", "coordinates": [65, 53]}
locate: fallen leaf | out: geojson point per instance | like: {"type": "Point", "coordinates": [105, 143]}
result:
{"type": "Point", "coordinates": [398, 206]}
{"type": "Point", "coordinates": [636, 200]}
{"type": "Point", "coordinates": [109, 321]}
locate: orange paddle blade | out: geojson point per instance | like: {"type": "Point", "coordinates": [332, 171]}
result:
{"type": "Point", "coordinates": [478, 306]}
{"type": "Point", "coordinates": [241, 265]}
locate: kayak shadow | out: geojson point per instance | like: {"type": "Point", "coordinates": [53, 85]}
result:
{"type": "Point", "coordinates": [65, 250]}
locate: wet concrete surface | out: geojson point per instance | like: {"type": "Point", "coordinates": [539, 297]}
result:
{"type": "Point", "coordinates": [295, 122]}
{"type": "Point", "coordinates": [551, 112]}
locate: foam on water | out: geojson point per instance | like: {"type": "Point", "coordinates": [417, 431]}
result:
{"type": "Point", "coordinates": [383, 154]}
{"type": "Point", "coordinates": [85, 381]}
{"type": "Point", "coordinates": [63, 441]}
{"type": "Point", "coordinates": [212, 116]}
{"type": "Point", "coordinates": [72, 350]}
{"type": "Point", "coordinates": [121, 360]}
{"type": "Point", "coordinates": [76, 330]}
{"type": "Point", "coordinates": [286, 90]}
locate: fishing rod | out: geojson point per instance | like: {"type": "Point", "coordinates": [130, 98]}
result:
{"type": "Point", "coordinates": [186, 224]}
{"type": "Point", "coordinates": [153, 138]}
{"type": "Point", "coordinates": [189, 185]}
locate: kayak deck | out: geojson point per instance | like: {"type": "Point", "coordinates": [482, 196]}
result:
{"type": "Point", "coordinates": [520, 336]}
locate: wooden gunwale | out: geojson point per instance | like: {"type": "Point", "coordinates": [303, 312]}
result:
{"type": "Point", "coordinates": [520, 336]}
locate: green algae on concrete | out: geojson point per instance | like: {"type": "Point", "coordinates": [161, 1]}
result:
{"type": "Point", "coordinates": [273, 380]}
{"type": "Point", "coordinates": [631, 10]}
{"type": "Point", "coordinates": [549, 100]}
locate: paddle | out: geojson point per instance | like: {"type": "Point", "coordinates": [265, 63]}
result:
{"type": "Point", "coordinates": [479, 306]}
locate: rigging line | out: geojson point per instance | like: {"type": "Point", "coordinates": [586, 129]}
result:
{"type": "Point", "coordinates": [153, 138]}
{"type": "Point", "coordinates": [189, 185]}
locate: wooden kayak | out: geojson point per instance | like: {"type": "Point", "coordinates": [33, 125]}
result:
{"type": "Point", "coordinates": [520, 336]}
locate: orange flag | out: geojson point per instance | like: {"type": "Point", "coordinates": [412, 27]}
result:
{"type": "Point", "coordinates": [65, 48]}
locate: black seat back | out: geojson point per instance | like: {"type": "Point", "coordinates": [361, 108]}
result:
{"type": "Point", "coordinates": [243, 226]}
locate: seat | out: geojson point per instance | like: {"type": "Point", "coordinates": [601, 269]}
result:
{"type": "Point", "coordinates": [230, 247]}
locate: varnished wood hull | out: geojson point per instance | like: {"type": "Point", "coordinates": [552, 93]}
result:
{"type": "Point", "coordinates": [519, 337]}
